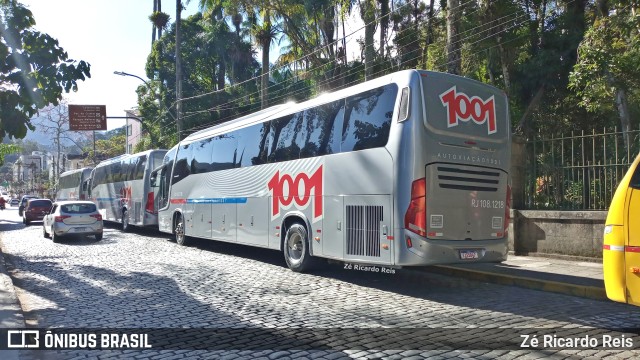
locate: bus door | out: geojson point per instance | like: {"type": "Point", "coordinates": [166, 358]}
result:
{"type": "Point", "coordinates": [367, 229]}
{"type": "Point", "coordinates": [632, 248]}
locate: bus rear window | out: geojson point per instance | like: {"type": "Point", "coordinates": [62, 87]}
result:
{"type": "Point", "coordinates": [78, 208]}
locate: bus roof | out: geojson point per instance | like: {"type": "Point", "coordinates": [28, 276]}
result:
{"type": "Point", "coordinates": [68, 172]}
{"type": "Point", "coordinates": [124, 156]}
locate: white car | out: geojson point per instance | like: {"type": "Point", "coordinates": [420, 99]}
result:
{"type": "Point", "coordinates": [72, 218]}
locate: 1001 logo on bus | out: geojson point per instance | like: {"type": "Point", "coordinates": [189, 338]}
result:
{"type": "Point", "coordinates": [462, 107]}
{"type": "Point", "coordinates": [285, 190]}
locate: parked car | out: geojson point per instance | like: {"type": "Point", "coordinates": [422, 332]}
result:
{"type": "Point", "coordinates": [35, 210]}
{"type": "Point", "coordinates": [72, 218]}
{"type": "Point", "coordinates": [23, 203]}
{"type": "Point", "coordinates": [15, 202]}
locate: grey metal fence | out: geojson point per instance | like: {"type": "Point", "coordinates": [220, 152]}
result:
{"type": "Point", "coordinates": [577, 172]}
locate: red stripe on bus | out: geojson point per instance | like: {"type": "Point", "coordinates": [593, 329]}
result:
{"type": "Point", "coordinates": [606, 247]}
{"type": "Point", "coordinates": [178, 201]}
{"type": "Point", "coordinates": [633, 249]}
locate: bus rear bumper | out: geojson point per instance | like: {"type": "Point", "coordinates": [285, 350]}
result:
{"type": "Point", "coordinates": [433, 252]}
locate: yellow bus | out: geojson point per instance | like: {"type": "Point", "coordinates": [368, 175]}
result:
{"type": "Point", "coordinates": [621, 243]}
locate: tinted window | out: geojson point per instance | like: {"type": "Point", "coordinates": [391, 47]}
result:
{"type": "Point", "coordinates": [321, 133]}
{"type": "Point", "coordinates": [635, 179]}
{"type": "Point", "coordinates": [141, 163]}
{"type": "Point", "coordinates": [39, 203]}
{"type": "Point", "coordinates": [253, 142]}
{"type": "Point", "coordinates": [78, 208]}
{"type": "Point", "coordinates": [285, 130]}
{"type": "Point", "coordinates": [182, 168]}
{"type": "Point", "coordinates": [201, 156]}
{"type": "Point", "coordinates": [368, 118]}
{"type": "Point", "coordinates": [224, 154]}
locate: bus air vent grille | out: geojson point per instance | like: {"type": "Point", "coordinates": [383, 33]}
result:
{"type": "Point", "coordinates": [451, 177]}
{"type": "Point", "coordinates": [363, 230]}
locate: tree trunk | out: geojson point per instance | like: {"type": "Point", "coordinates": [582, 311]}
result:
{"type": "Point", "coordinates": [429, 38]}
{"type": "Point", "coordinates": [367, 12]}
{"type": "Point", "coordinates": [454, 60]}
{"type": "Point", "coordinates": [505, 68]}
{"type": "Point", "coordinates": [159, 10]}
{"type": "Point", "coordinates": [266, 44]}
{"type": "Point", "coordinates": [153, 26]}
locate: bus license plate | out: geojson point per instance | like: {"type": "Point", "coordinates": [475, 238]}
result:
{"type": "Point", "coordinates": [468, 254]}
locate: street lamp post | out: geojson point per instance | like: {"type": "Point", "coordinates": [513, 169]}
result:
{"type": "Point", "coordinates": [178, 106]}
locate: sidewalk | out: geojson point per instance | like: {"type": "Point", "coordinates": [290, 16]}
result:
{"type": "Point", "coordinates": [10, 311]}
{"type": "Point", "coordinates": [570, 277]}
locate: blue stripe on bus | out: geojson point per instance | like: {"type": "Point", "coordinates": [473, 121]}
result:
{"type": "Point", "coordinates": [241, 200]}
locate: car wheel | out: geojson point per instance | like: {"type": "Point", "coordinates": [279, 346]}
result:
{"type": "Point", "coordinates": [99, 237]}
{"type": "Point", "coordinates": [125, 220]}
{"type": "Point", "coordinates": [55, 238]}
{"type": "Point", "coordinates": [181, 238]}
{"type": "Point", "coordinates": [44, 232]}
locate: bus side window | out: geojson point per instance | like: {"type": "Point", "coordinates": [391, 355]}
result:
{"type": "Point", "coordinates": [368, 118]}
{"type": "Point", "coordinates": [284, 147]}
{"type": "Point", "coordinates": [182, 168]}
{"type": "Point", "coordinates": [252, 144]}
{"type": "Point", "coordinates": [635, 178]}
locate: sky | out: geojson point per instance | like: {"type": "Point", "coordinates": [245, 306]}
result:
{"type": "Point", "coordinates": [112, 35]}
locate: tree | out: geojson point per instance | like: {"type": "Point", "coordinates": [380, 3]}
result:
{"type": "Point", "coordinates": [54, 121]}
{"type": "Point", "coordinates": [6, 149]}
{"type": "Point", "coordinates": [607, 70]}
{"type": "Point", "coordinates": [35, 70]}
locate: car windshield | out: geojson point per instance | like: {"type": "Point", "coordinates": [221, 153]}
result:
{"type": "Point", "coordinates": [78, 208]}
{"type": "Point", "coordinates": [40, 203]}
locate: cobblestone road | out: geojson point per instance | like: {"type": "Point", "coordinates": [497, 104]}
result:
{"type": "Point", "coordinates": [143, 280]}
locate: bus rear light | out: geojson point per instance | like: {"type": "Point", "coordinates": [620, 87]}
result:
{"type": "Point", "coordinates": [415, 219]}
{"type": "Point", "coordinates": [60, 218]}
{"type": "Point", "coordinates": [507, 210]}
{"type": "Point", "coordinates": [409, 243]}
{"type": "Point", "coordinates": [150, 206]}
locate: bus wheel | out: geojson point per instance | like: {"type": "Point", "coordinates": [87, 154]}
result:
{"type": "Point", "coordinates": [181, 238]}
{"type": "Point", "coordinates": [296, 249]}
{"type": "Point", "coordinates": [125, 220]}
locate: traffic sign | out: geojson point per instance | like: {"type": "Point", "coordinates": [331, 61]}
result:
{"type": "Point", "coordinates": [87, 117]}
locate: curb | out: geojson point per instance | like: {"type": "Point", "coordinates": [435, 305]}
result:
{"type": "Point", "coordinates": [589, 292]}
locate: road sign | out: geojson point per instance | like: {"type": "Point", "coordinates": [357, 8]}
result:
{"type": "Point", "coordinates": [87, 117]}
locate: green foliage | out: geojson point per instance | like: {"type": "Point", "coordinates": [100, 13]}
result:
{"type": "Point", "coordinates": [551, 58]}
{"type": "Point", "coordinates": [34, 71]}
{"type": "Point", "coordinates": [6, 149]}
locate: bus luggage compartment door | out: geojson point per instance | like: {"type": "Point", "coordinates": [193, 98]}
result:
{"type": "Point", "coordinates": [465, 202]}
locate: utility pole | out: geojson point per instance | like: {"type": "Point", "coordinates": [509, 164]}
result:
{"type": "Point", "coordinates": [178, 70]}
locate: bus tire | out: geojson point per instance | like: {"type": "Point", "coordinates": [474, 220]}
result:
{"type": "Point", "coordinates": [178, 230]}
{"type": "Point", "coordinates": [125, 220]}
{"type": "Point", "coordinates": [296, 249]}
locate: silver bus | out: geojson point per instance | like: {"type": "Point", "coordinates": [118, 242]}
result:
{"type": "Point", "coordinates": [120, 188]}
{"type": "Point", "coordinates": [72, 184]}
{"type": "Point", "coordinates": [408, 169]}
